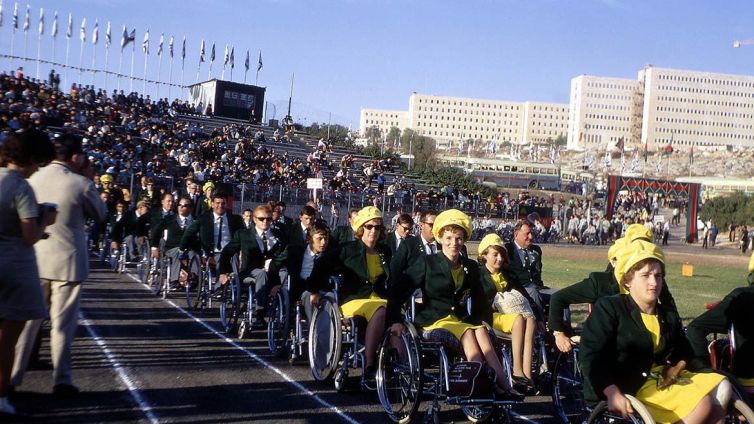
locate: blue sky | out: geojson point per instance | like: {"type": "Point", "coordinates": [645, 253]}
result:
{"type": "Point", "coordinates": [349, 54]}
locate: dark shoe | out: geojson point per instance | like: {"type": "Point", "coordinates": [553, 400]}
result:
{"type": "Point", "coordinates": [39, 366]}
{"type": "Point", "coordinates": [508, 395]}
{"type": "Point", "coordinates": [369, 380]}
{"type": "Point", "coordinates": [65, 391]}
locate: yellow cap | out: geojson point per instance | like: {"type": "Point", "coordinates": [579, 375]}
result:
{"type": "Point", "coordinates": [365, 215]}
{"type": "Point", "coordinates": [634, 253]}
{"type": "Point", "coordinates": [451, 217]}
{"type": "Point", "coordinates": [638, 232]}
{"type": "Point", "coordinates": [207, 185]}
{"type": "Point", "coordinates": [751, 263]}
{"type": "Point", "coordinates": [106, 178]}
{"type": "Point", "coordinates": [490, 240]}
{"type": "Point", "coordinates": [614, 250]}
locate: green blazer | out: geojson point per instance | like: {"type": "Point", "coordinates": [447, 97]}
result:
{"type": "Point", "coordinates": [204, 226]}
{"type": "Point", "coordinates": [736, 308]}
{"type": "Point", "coordinates": [588, 290]}
{"type": "Point", "coordinates": [245, 243]}
{"type": "Point", "coordinates": [175, 232]}
{"type": "Point", "coordinates": [440, 298]}
{"type": "Point", "coordinates": [340, 235]}
{"type": "Point", "coordinates": [350, 260]}
{"type": "Point", "coordinates": [616, 347]}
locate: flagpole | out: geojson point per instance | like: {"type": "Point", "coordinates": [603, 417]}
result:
{"type": "Point", "coordinates": [244, 75]}
{"type": "Point", "coordinates": [159, 72]}
{"type": "Point", "coordinates": [67, 54]}
{"type": "Point", "coordinates": [133, 53]}
{"type": "Point", "coordinates": [146, 61]}
{"type": "Point", "coordinates": [94, 62]}
{"type": "Point", "coordinates": [120, 67]}
{"type": "Point", "coordinates": [107, 54]}
{"type": "Point", "coordinates": [26, 44]}
{"type": "Point", "coordinates": [170, 78]}
{"type": "Point", "coordinates": [39, 51]}
{"type": "Point", "coordinates": [81, 57]}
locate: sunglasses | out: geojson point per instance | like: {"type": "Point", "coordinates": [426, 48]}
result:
{"type": "Point", "coordinates": [184, 205]}
{"type": "Point", "coordinates": [430, 224]}
{"type": "Point", "coordinates": [409, 229]}
{"type": "Point", "coordinates": [264, 218]}
{"type": "Point", "coordinates": [371, 227]}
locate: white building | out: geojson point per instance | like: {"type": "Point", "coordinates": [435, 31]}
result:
{"type": "Point", "coordinates": [449, 120]}
{"type": "Point", "coordinates": [661, 107]}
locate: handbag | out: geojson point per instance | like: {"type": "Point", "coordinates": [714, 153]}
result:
{"type": "Point", "coordinates": [512, 302]}
{"type": "Point", "coordinates": [469, 379]}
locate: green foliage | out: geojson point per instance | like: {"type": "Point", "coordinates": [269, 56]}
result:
{"type": "Point", "coordinates": [453, 177]}
{"type": "Point", "coordinates": [736, 208]}
{"type": "Point", "coordinates": [338, 133]}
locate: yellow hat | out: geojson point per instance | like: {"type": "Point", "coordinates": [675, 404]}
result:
{"type": "Point", "coordinates": [638, 232]}
{"type": "Point", "coordinates": [451, 217]}
{"type": "Point", "coordinates": [365, 215]}
{"type": "Point", "coordinates": [490, 240]}
{"type": "Point", "coordinates": [614, 250]}
{"type": "Point", "coordinates": [634, 253]}
{"type": "Point", "coordinates": [207, 185]}
{"type": "Point", "coordinates": [751, 263]}
{"type": "Point", "coordinates": [106, 178]}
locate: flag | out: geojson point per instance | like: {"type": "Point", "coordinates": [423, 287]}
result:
{"type": "Point", "coordinates": [15, 16]}
{"type": "Point", "coordinates": [183, 49]}
{"type": "Point", "coordinates": [691, 155]}
{"type": "Point", "coordinates": [246, 63]}
{"type": "Point", "coordinates": [226, 57]}
{"type": "Point", "coordinates": [635, 162]}
{"type": "Point", "coordinates": [620, 144]}
{"type": "Point", "coordinates": [69, 31]}
{"type": "Point", "coordinates": [127, 38]}
{"type": "Point", "coordinates": [82, 35]}
{"type": "Point", "coordinates": [108, 35]}
{"type": "Point", "coordinates": [259, 63]}
{"type": "Point", "coordinates": [27, 21]}
{"type": "Point", "coordinates": [212, 54]}
{"type": "Point", "coordinates": [162, 40]}
{"type": "Point", "coordinates": [41, 21]}
{"type": "Point", "coordinates": [232, 57]}
{"type": "Point", "coordinates": [646, 152]}
{"type": "Point", "coordinates": [55, 25]}
{"type": "Point", "coordinates": [170, 46]}
{"type": "Point", "coordinates": [667, 149]}
{"type": "Point", "coordinates": [95, 32]}
{"type": "Point", "coordinates": [145, 43]}
{"type": "Point", "coordinates": [201, 53]}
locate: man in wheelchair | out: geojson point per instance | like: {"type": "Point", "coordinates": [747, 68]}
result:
{"type": "Point", "coordinates": [734, 313]}
{"type": "Point", "coordinates": [446, 280]}
{"type": "Point", "coordinates": [132, 230]}
{"type": "Point", "coordinates": [170, 230]}
{"type": "Point", "coordinates": [257, 247]}
{"type": "Point", "coordinates": [633, 345]}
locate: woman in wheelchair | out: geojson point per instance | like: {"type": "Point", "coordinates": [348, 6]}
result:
{"type": "Point", "coordinates": [521, 327]}
{"type": "Point", "coordinates": [633, 345]}
{"type": "Point", "coordinates": [446, 280]}
{"type": "Point", "coordinates": [364, 264]}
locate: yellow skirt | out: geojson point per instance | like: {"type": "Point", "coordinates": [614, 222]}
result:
{"type": "Point", "coordinates": [452, 324]}
{"type": "Point", "coordinates": [503, 322]}
{"type": "Point", "coordinates": [363, 307]}
{"type": "Point", "coordinates": [677, 401]}
{"type": "Point", "coordinates": [746, 382]}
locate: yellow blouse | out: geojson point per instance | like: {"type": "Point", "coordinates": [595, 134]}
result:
{"type": "Point", "coordinates": [499, 281]}
{"type": "Point", "coordinates": [457, 274]}
{"type": "Point", "coordinates": [653, 326]}
{"type": "Point", "coordinates": [374, 267]}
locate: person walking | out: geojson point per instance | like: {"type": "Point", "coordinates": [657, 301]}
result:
{"type": "Point", "coordinates": [22, 224]}
{"type": "Point", "coordinates": [66, 264]}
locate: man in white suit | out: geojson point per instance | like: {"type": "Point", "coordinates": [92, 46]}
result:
{"type": "Point", "coordinates": [62, 258]}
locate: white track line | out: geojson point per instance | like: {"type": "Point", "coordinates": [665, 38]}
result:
{"type": "Point", "coordinates": [261, 361]}
{"type": "Point", "coordinates": [124, 377]}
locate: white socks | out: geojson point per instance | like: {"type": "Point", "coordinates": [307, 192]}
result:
{"type": "Point", "coordinates": [6, 407]}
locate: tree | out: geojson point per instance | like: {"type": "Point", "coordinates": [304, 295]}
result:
{"type": "Point", "coordinates": [736, 208]}
{"type": "Point", "coordinates": [393, 135]}
{"type": "Point", "coordinates": [423, 148]}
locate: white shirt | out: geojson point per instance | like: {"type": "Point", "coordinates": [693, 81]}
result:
{"type": "Point", "coordinates": [308, 264]}
{"type": "Point", "coordinates": [427, 246]}
{"type": "Point", "coordinates": [225, 236]}
{"type": "Point", "coordinates": [271, 240]}
{"type": "Point", "coordinates": [398, 240]}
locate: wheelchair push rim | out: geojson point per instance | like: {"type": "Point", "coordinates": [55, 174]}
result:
{"type": "Point", "coordinates": [400, 381]}
{"type": "Point", "coordinates": [278, 326]}
{"type": "Point", "coordinates": [326, 327]}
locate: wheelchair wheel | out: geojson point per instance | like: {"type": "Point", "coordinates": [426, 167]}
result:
{"type": "Point", "coordinates": [567, 395]}
{"type": "Point", "coordinates": [600, 414]}
{"type": "Point", "coordinates": [246, 309]}
{"type": "Point", "coordinates": [325, 340]}
{"type": "Point", "coordinates": [400, 376]}
{"type": "Point", "coordinates": [194, 286]}
{"type": "Point", "coordinates": [165, 276]}
{"type": "Point", "coordinates": [229, 306]}
{"type": "Point", "coordinates": [278, 326]}
{"type": "Point", "coordinates": [739, 412]}
{"type": "Point", "coordinates": [478, 414]}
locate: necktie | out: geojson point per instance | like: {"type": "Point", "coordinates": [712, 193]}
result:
{"type": "Point", "coordinates": [218, 246]}
{"type": "Point", "coordinates": [265, 242]}
{"type": "Point", "coordinates": [432, 248]}
{"type": "Point", "coordinates": [527, 260]}
{"type": "Point", "coordinates": [183, 223]}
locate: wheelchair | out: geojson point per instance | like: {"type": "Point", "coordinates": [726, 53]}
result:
{"type": "Point", "coordinates": [199, 289]}
{"type": "Point", "coordinates": [601, 415]}
{"type": "Point", "coordinates": [335, 342]}
{"type": "Point", "coordinates": [722, 356]}
{"type": "Point", "coordinates": [422, 368]}
{"type": "Point", "coordinates": [237, 302]}
{"type": "Point", "coordinates": [120, 260]}
{"type": "Point", "coordinates": [288, 325]}
{"type": "Point", "coordinates": [160, 274]}
{"type": "Point", "coordinates": [567, 387]}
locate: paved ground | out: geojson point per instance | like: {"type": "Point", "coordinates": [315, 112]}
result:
{"type": "Point", "coordinates": [142, 359]}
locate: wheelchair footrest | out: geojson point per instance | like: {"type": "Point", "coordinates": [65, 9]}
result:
{"type": "Point", "coordinates": [466, 401]}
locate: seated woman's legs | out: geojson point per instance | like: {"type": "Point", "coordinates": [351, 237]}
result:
{"type": "Point", "coordinates": [374, 333]}
{"type": "Point", "coordinates": [531, 328]}
{"type": "Point", "coordinates": [517, 345]}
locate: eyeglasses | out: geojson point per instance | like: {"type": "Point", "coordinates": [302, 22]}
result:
{"type": "Point", "coordinates": [264, 218]}
{"type": "Point", "coordinates": [429, 224]}
{"type": "Point", "coordinates": [407, 229]}
{"type": "Point", "coordinates": [184, 205]}
{"type": "Point", "coordinates": [371, 227]}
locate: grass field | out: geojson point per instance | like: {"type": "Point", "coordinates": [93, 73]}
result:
{"type": "Point", "coordinates": [709, 283]}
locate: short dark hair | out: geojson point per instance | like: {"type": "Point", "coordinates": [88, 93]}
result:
{"type": "Point", "coordinates": [423, 215]}
{"type": "Point", "coordinates": [405, 219]}
{"type": "Point", "coordinates": [308, 211]}
{"type": "Point", "coordinates": [67, 145]}
{"type": "Point", "coordinates": [220, 195]}
{"type": "Point", "coordinates": [281, 204]}
{"type": "Point", "coordinates": [26, 147]}
{"type": "Point", "coordinates": [317, 228]}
